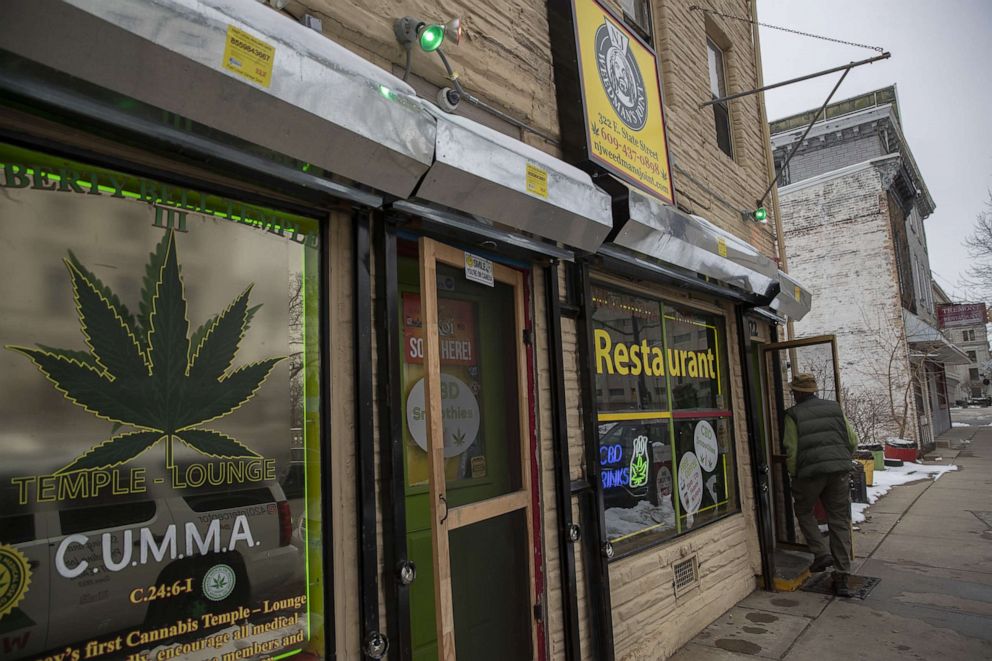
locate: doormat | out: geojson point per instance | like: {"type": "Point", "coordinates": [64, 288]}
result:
{"type": "Point", "coordinates": [823, 583]}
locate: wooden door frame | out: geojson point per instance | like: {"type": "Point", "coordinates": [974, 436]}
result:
{"type": "Point", "coordinates": [443, 519]}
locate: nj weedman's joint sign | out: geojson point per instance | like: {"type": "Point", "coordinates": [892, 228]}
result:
{"type": "Point", "coordinates": [625, 126]}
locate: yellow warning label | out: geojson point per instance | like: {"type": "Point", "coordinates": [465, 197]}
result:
{"type": "Point", "coordinates": [537, 180]}
{"type": "Point", "coordinates": [248, 56]}
{"type": "Point", "coordinates": [799, 294]}
{"type": "Point", "coordinates": [721, 246]}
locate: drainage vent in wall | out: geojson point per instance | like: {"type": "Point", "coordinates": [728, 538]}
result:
{"type": "Point", "coordinates": [686, 574]}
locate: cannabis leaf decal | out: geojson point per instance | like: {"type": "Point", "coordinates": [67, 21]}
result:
{"type": "Point", "coordinates": [144, 371]}
{"type": "Point", "coordinates": [638, 470]}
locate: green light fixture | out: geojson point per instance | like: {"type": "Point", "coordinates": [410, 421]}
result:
{"type": "Point", "coordinates": [431, 37]}
{"type": "Point", "coordinates": [760, 214]}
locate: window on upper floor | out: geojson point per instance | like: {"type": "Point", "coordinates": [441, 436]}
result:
{"type": "Point", "coordinates": [968, 335]}
{"type": "Point", "coordinates": [973, 373]}
{"type": "Point", "coordinates": [718, 88]}
{"type": "Point", "coordinates": [637, 15]}
{"type": "Point", "coordinates": [972, 356]}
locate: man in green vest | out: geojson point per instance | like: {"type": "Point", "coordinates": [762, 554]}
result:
{"type": "Point", "coordinates": [819, 444]}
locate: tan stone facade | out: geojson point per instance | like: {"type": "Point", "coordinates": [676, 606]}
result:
{"type": "Point", "coordinates": [505, 60]}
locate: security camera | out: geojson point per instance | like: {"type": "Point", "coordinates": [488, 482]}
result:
{"type": "Point", "coordinates": [448, 99]}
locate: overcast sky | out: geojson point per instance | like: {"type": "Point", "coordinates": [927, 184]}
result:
{"type": "Point", "coordinates": [940, 64]}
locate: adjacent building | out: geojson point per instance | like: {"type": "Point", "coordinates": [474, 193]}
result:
{"type": "Point", "coordinates": [854, 204]}
{"type": "Point", "coordinates": [328, 334]}
{"type": "Point", "coordinates": [965, 325]}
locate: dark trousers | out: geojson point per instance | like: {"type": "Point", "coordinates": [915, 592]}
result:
{"type": "Point", "coordinates": [834, 492]}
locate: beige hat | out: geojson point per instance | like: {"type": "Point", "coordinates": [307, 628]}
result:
{"type": "Point", "coordinates": [804, 383]}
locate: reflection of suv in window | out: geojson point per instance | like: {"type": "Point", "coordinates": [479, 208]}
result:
{"type": "Point", "coordinates": [622, 446]}
{"type": "Point", "coordinates": [96, 570]}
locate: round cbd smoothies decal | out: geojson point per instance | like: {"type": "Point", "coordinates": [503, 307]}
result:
{"type": "Point", "coordinates": [704, 439]}
{"type": "Point", "coordinates": [620, 75]}
{"type": "Point", "coordinates": [459, 410]}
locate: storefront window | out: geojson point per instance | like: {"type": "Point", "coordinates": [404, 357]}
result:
{"type": "Point", "coordinates": [159, 420]}
{"type": "Point", "coordinates": [665, 428]}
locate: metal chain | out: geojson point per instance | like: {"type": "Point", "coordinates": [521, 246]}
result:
{"type": "Point", "coordinates": [877, 49]}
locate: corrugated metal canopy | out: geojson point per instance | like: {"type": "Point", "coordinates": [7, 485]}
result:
{"type": "Point", "coordinates": [922, 336]}
{"type": "Point", "coordinates": [484, 172]}
{"type": "Point", "coordinates": [324, 105]}
{"type": "Point", "coordinates": [793, 300]}
{"type": "Point", "coordinates": [663, 232]}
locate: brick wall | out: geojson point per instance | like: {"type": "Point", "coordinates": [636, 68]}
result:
{"type": "Point", "coordinates": [840, 245]}
{"type": "Point", "coordinates": [826, 154]}
{"type": "Point", "coordinates": [505, 60]}
{"type": "Point", "coordinates": [723, 186]}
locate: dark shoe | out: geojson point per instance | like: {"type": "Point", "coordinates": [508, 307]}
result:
{"type": "Point", "coordinates": [842, 587]}
{"type": "Point", "coordinates": [821, 563]}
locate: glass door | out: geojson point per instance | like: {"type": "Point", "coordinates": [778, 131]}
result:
{"type": "Point", "coordinates": [784, 360]}
{"type": "Point", "coordinates": [466, 439]}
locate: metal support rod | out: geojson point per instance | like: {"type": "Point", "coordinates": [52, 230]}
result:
{"type": "Point", "coordinates": [595, 565]}
{"type": "Point", "coordinates": [559, 439]}
{"type": "Point", "coordinates": [799, 142]}
{"type": "Point", "coordinates": [849, 66]}
{"type": "Point", "coordinates": [394, 543]}
{"type": "Point", "coordinates": [364, 449]}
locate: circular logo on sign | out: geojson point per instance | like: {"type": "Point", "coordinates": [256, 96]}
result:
{"type": "Point", "coordinates": [218, 582]}
{"type": "Point", "coordinates": [620, 75]}
{"type": "Point", "coordinates": [706, 447]}
{"type": "Point", "coordinates": [690, 483]}
{"type": "Point", "coordinates": [459, 411]}
{"type": "Point", "coordinates": [15, 577]}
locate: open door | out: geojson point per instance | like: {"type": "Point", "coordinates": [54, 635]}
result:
{"type": "Point", "coordinates": [783, 360]}
{"type": "Point", "coordinates": [469, 442]}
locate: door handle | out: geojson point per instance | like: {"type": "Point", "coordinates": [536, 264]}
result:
{"type": "Point", "coordinates": [445, 501]}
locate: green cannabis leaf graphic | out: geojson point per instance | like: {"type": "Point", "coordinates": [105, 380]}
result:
{"type": "Point", "coordinates": [638, 470]}
{"type": "Point", "coordinates": [219, 582]}
{"type": "Point", "coordinates": [145, 372]}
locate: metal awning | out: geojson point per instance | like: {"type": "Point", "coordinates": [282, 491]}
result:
{"type": "Point", "coordinates": [926, 338]}
{"type": "Point", "coordinates": [662, 232]}
{"type": "Point", "coordinates": [483, 172]}
{"type": "Point", "coordinates": [323, 104]}
{"type": "Point", "coordinates": [793, 300]}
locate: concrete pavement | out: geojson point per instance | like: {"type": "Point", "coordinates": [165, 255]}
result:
{"type": "Point", "coordinates": [931, 544]}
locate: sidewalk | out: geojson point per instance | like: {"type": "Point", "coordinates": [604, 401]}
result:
{"type": "Point", "coordinates": [931, 544]}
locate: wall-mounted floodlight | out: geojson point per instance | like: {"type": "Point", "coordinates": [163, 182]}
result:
{"type": "Point", "coordinates": [759, 215]}
{"type": "Point", "coordinates": [429, 36]}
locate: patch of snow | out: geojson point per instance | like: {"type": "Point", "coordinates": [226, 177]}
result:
{"type": "Point", "coordinates": [622, 521]}
{"type": "Point", "coordinates": [901, 442]}
{"type": "Point", "coordinates": [858, 512]}
{"type": "Point", "coordinates": [962, 424]}
{"type": "Point", "coordinates": [894, 476]}
{"type": "Point", "coordinates": [955, 408]}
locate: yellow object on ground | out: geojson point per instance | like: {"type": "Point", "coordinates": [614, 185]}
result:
{"type": "Point", "coordinates": [869, 465]}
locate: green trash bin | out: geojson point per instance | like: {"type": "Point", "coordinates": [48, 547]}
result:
{"type": "Point", "coordinates": [878, 454]}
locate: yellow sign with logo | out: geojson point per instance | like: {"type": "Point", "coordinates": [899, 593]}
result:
{"type": "Point", "coordinates": [625, 125]}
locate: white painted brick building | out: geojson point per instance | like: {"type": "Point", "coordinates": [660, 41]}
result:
{"type": "Point", "coordinates": [853, 205]}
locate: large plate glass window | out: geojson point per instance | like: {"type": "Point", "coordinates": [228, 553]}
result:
{"type": "Point", "coordinates": [665, 428]}
{"type": "Point", "coordinates": [159, 375]}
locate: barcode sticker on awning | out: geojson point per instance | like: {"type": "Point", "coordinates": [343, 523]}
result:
{"type": "Point", "coordinates": [537, 180]}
